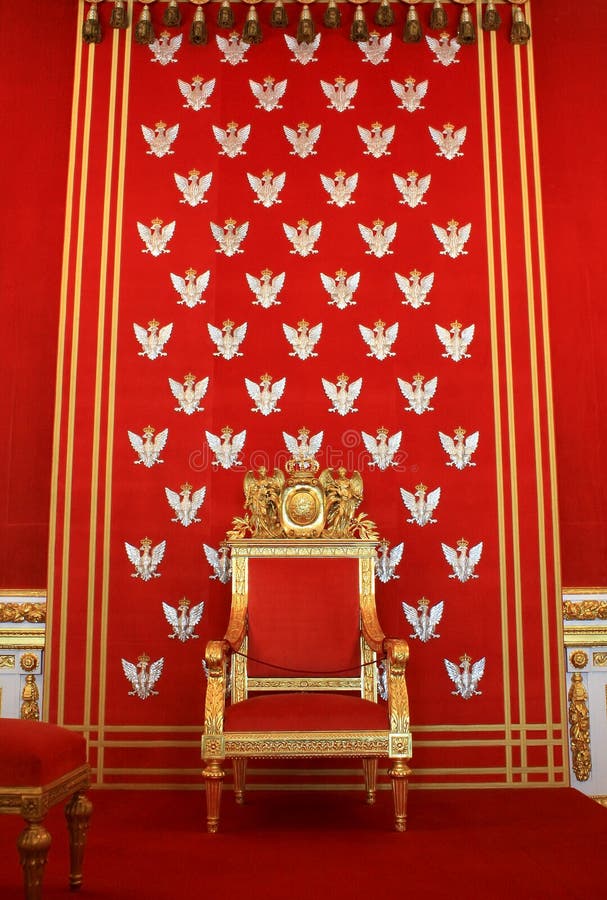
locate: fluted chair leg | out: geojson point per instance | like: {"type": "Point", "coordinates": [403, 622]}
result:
{"type": "Point", "coordinates": [33, 844]}
{"type": "Point", "coordinates": [399, 773]}
{"type": "Point", "coordinates": [77, 813]}
{"type": "Point", "coordinates": [240, 773]}
{"type": "Point", "coordinates": [213, 775]}
{"type": "Point", "coordinates": [370, 770]}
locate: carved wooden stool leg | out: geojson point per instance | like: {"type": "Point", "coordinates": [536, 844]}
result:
{"type": "Point", "coordinates": [77, 813]}
{"type": "Point", "coordinates": [370, 770]}
{"type": "Point", "coordinates": [240, 772]}
{"type": "Point", "coordinates": [33, 844]}
{"type": "Point", "coordinates": [213, 775]}
{"type": "Point", "coordinates": [399, 774]}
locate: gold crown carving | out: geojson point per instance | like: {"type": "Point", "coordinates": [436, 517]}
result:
{"type": "Point", "coordinates": [303, 223]}
{"type": "Point", "coordinates": [143, 659]}
{"type": "Point", "coordinates": [379, 324]}
{"type": "Point", "coordinates": [265, 378]}
{"type": "Point", "coordinates": [340, 173]}
{"type": "Point", "coordinates": [303, 431]}
{"type": "Point", "coordinates": [153, 323]}
{"type": "Point", "coordinates": [341, 273]}
{"type": "Point", "coordinates": [462, 543]}
{"type": "Point", "coordinates": [228, 323]}
{"type": "Point", "coordinates": [186, 487]}
{"type": "Point", "coordinates": [161, 124]}
{"type": "Point", "coordinates": [422, 488]}
{"type": "Point", "coordinates": [145, 542]}
{"type": "Point", "coordinates": [194, 173]}
{"type": "Point", "coordinates": [418, 379]}
{"type": "Point", "coordinates": [149, 430]}
{"type": "Point", "coordinates": [266, 273]}
{"type": "Point", "coordinates": [227, 430]}
{"type": "Point", "coordinates": [189, 378]}
{"type": "Point", "coordinates": [183, 603]}
{"type": "Point", "coordinates": [303, 324]}
{"type": "Point", "coordinates": [415, 273]}
{"type": "Point", "coordinates": [456, 325]}
{"type": "Point", "coordinates": [423, 602]}
{"type": "Point", "coordinates": [190, 272]}
{"type": "Point", "coordinates": [412, 174]}
{"type": "Point", "coordinates": [459, 431]}
{"type": "Point", "coordinates": [465, 658]}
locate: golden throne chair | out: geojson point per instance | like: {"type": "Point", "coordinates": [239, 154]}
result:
{"type": "Point", "coordinates": [296, 674]}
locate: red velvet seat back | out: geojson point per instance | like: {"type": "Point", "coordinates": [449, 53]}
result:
{"type": "Point", "coordinates": [304, 616]}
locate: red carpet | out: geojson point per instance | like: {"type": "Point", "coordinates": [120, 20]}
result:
{"type": "Point", "coordinates": [547, 843]}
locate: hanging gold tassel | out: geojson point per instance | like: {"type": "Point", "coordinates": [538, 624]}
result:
{"type": "Point", "coordinates": [118, 16]}
{"type": "Point", "coordinates": [438, 16]}
{"type": "Point", "coordinates": [172, 14]}
{"type": "Point", "coordinates": [520, 31]}
{"type": "Point", "coordinates": [225, 15]}
{"type": "Point", "coordinates": [465, 30]}
{"type": "Point", "coordinates": [359, 30]}
{"type": "Point", "coordinates": [91, 29]}
{"type": "Point", "coordinates": [491, 20]}
{"type": "Point", "coordinates": [332, 16]}
{"type": "Point", "coordinates": [198, 30]}
{"type": "Point", "coordinates": [384, 14]}
{"type": "Point", "coordinates": [251, 33]}
{"type": "Point", "coordinates": [278, 17]}
{"type": "Point", "coordinates": [413, 30]}
{"type": "Point", "coordinates": [305, 26]}
{"type": "Point", "coordinates": [144, 30]}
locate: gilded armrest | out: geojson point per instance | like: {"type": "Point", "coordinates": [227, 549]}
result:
{"type": "Point", "coordinates": [216, 658]}
{"type": "Point", "coordinates": [397, 654]}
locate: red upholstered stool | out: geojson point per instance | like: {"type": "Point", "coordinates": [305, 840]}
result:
{"type": "Point", "coordinates": [40, 765]}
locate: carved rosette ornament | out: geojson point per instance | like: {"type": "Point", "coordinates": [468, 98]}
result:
{"type": "Point", "coordinates": [579, 728]}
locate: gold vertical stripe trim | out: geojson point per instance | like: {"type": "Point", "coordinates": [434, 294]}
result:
{"type": "Point", "coordinates": [497, 424]}
{"type": "Point", "coordinates": [73, 380]}
{"type": "Point", "coordinates": [94, 488]}
{"type": "Point", "coordinates": [537, 436]}
{"type": "Point", "coordinates": [516, 561]}
{"type": "Point", "coordinates": [548, 381]}
{"type": "Point", "coordinates": [112, 396]}
{"type": "Point", "coordinates": [61, 335]}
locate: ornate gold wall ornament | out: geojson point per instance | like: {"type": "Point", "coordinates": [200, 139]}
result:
{"type": "Point", "coordinates": [584, 609]}
{"type": "Point", "coordinates": [22, 612]}
{"type": "Point", "coordinates": [599, 659]}
{"type": "Point", "coordinates": [579, 728]}
{"type": "Point", "coordinates": [30, 696]}
{"type": "Point", "coordinates": [579, 659]}
{"type": "Point", "coordinates": [7, 661]}
{"type": "Point", "coordinates": [28, 662]}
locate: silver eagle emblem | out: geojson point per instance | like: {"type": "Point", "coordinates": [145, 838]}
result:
{"type": "Point", "coordinates": [374, 50]}
{"type": "Point", "coordinates": [444, 49]}
{"type": "Point", "coordinates": [302, 448]}
{"type": "Point", "coordinates": [268, 187]}
{"type": "Point", "coordinates": [197, 93]}
{"type": "Point", "coordinates": [191, 288]}
{"type": "Point", "coordinates": [342, 395]}
{"type": "Point", "coordinates": [421, 506]}
{"type": "Point", "coordinates": [382, 447]}
{"type": "Point", "coordinates": [462, 561]}
{"type": "Point", "coordinates": [455, 341]}
{"type": "Point", "coordinates": [303, 339]}
{"type": "Point", "coordinates": [388, 560]}
{"type": "Point", "coordinates": [156, 237]}
{"type": "Point", "coordinates": [266, 288]}
{"type": "Point", "coordinates": [340, 188]}
{"type": "Point", "coordinates": [230, 237]}
{"type": "Point", "coordinates": [424, 619]}
{"type": "Point", "coordinates": [466, 681]}
{"type": "Point", "coordinates": [152, 339]}
{"type": "Point", "coordinates": [232, 139]}
{"type": "Point", "coordinates": [220, 561]}
{"type": "Point", "coordinates": [302, 140]}
{"type": "Point", "coordinates": [164, 48]}
{"type": "Point", "coordinates": [302, 237]}
{"type": "Point", "coordinates": [410, 94]}
{"type": "Point", "coordinates": [225, 447]}
{"type": "Point", "coordinates": [194, 187]}
{"type": "Point", "coordinates": [146, 559]}
{"type": "Point", "coordinates": [412, 188]}
{"type": "Point", "coordinates": [302, 51]}
{"type": "Point", "coordinates": [233, 48]}
{"type": "Point", "coordinates": [269, 94]}
{"type": "Point", "coordinates": [189, 393]}
{"type": "Point", "coordinates": [418, 394]}
{"type": "Point", "coordinates": [185, 504]}
{"type": "Point", "coordinates": [265, 395]}
{"type": "Point", "coordinates": [376, 139]}
{"type": "Point", "coordinates": [227, 339]}
{"type": "Point", "coordinates": [147, 447]}
{"type": "Point", "coordinates": [449, 140]}
{"type": "Point", "coordinates": [378, 238]}
{"type": "Point", "coordinates": [416, 288]}
{"type": "Point", "coordinates": [143, 676]}
{"type": "Point", "coordinates": [341, 289]}
{"type": "Point", "coordinates": [452, 238]}
{"type": "Point", "coordinates": [183, 620]}
{"type": "Point", "coordinates": [160, 139]}
{"type": "Point", "coordinates": [459, 449]}
{"type": "Point", "coordinates": [340, 94]}
{"type": "Point", "coordinates": [379, 339]}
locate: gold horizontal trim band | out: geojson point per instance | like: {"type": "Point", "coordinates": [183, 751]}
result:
{"type": "Point", "coordinates": [330, 788]}
{"type": "Point", "coordinates": [304, 548]}
{"type": "Point", "coordinates": [303, 684]}
{"type": "Point", "coordinates": [585, 637]}
{"type": "Point", "coordinates": [22, 641]}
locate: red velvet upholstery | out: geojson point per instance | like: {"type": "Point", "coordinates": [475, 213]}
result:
{"type": "Point", "coordinates": [306, 712]}
{"type": "Point", "coordinates": [295, 609]}
{"type": "Point", "coordinates": [35, 753]}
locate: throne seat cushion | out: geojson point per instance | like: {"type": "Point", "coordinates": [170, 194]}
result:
{"type": "Point", "coordinates": [34, 754]}
{"type": "Point", "coordinates": [305, 712]}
